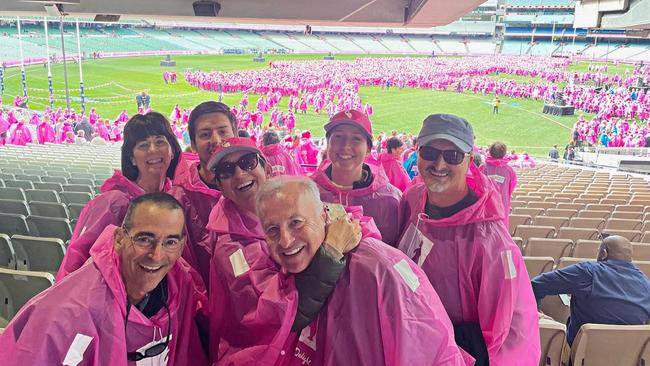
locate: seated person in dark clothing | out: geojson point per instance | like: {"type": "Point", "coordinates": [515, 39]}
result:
{"type": "Point", "coordinates": [609, 291]}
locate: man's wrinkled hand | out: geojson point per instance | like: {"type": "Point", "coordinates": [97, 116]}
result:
{"type": "Point", "coordinates": [343, 235]}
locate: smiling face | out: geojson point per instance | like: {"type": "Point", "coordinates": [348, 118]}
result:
{"type": "Point", "coordinates": [442, 178]}
{"type": "Point", "coordinates": [152, 156]}
{"type": "Point", "coordinates": [143, 268]}
{"type": "Point", "coordinates": [294, 225]}
{"type": "Point", "coordinates": [211, 130]}
{"type": "Point", "coordinates": [243, 185]}
{"type": "Point", "coordinates": [347, 148]}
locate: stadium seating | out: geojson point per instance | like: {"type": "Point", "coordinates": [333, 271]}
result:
{"type": "Point", "coordinates": [552, 338]}
{"type": "Point", "coordinates": [604, 345]}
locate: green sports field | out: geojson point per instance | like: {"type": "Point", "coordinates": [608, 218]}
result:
{"type": "Point", "coordinates": [111, 86]}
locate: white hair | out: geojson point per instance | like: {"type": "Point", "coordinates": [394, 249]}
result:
{"type": "Point", "coordinates": [273, 185]}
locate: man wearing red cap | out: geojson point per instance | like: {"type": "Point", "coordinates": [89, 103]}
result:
{"type": "Point", "coordinates": [347, 180]}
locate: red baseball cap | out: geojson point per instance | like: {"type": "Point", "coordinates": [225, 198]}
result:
{"type": "Point", "coordinates": [229, 146]}
{"type": "Point", "coordinates": [351, 117]}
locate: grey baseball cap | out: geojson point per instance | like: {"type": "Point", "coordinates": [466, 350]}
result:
{"type": "Point", "coordinates": [447, 127]}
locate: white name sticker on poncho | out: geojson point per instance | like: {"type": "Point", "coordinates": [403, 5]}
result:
{"type": "Point", "coordinates": [497, 178]}
{"type": "Point", "coordinates": [238, 263]}
{"type": "Point", "coordinates": [76, 351]}
{"type": "Point", "coordinates": [402, 267]}
{"type": "Point", "coordinates": [509, 265]}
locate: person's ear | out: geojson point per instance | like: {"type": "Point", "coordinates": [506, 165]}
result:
{"type": "Point", "coordinates": [268, 170]}
{"type": "Point", "coordinates": [118, 239]}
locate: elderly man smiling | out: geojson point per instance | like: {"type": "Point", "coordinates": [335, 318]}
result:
{"type": "Point", "coordinates": [383, 310]}
{"type": "Point", "coordinates": [136, 300]}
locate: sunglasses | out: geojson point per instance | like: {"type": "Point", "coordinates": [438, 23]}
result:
{"type": "Point", "coordinates": [453, 157]}
{"type": "Point", "coordinates": [226, 169]}
{"type": "Point", "coordinates": [154, 350]}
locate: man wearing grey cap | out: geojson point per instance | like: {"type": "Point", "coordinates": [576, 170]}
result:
{"type": "Point", "coordinates": [452, 226]}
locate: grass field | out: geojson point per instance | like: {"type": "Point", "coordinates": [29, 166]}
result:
{"type": "Point", "coordinates": [111, 86]}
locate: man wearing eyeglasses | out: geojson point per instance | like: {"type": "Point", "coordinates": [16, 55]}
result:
{"type": "Point", "coordinates": [452, 226]}
{"type": "Point", "coordinates": [135, 301]}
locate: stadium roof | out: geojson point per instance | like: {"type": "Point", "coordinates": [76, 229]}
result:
{"type": "Point", "coordinates": [393, 13]}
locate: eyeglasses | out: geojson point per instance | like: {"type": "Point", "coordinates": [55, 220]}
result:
{"type": "Point", "coordinates": [147, 242]}
{"type": "Point", "coordinates": [453, 157]}
{"type": "Point", "coordinates": [247, 162]}
{"type": "Point", "coordinates": [154, 350]}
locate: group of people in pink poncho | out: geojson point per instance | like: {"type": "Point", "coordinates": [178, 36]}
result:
{"type": "Point", "coordinates": [233, 255]}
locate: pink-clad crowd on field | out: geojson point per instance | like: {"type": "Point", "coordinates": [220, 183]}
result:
{"type": "Point", "coordinates": [261, 246]}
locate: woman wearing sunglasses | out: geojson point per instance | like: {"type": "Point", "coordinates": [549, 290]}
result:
{"type": "Point", "coordinates": [150, 153]}
{"type": "Point", "coordinates": [348, 180]}
{"type": "Point", "coordinates": [251, 302]}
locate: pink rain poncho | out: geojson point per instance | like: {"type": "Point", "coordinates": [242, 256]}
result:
{"type": "Point", "coordinates": [45, 133]}
{"type": "Point", "coordinates": [281, 162]}
{"type": "Point", "coordinates": [252, 304]}
{"type": "Point", "coordinates": [197, 200]}
{"type": "Point", "coordinates": [504, 177]}
{"type": "Point", "coordinates": [80, 320]}
{"type": "Point", "coordinates": [109, 208]}
{"type": "Point", "coordinates": [383, 311]}
{"type": "Point", "coordinates": [394, 171]}
{"type": "Point", "coordinates": [476, 269]}
{"type": "Point", "coordinates": [380, 200]}
{"type": "Point", "coordinates": [21, 135]}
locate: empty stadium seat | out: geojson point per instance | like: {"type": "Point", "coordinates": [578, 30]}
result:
{"type": "Point", "coordinates": [576, 234]}
{"type": "Point", "coordinates": [556, 222]}
{"type": "Point", "coordinates": [532, 231]}
{"type": "Point", "coordinates": [630, 208]}
{"type": "Point", "coordinates": [623, 224]}
{"type": "Point", "coordinates": [39, 254]}
{"type": "Point", "coordinates": [552, 337]}
{"type": "Point", "coordinates": [538, 265]}
{"type": "Point", "coordinates": [591, 214]}
{"type": "Point", "coordinates": [586, 249]}
{"type": "Point", "coordinates": [7, 256]}
{"type": "Point", "coordinates": [18, 287]}
{"type": "Point", "coordinates": [532, 212]}
{"type": "Point", "coordinates": [561, 212]}
{"type": "Point", "coordinates": [78, 188]}
{"type": "Point", "coordinates": [24, 184]}
{"type": "Point", "coordinates": [53, 179]}
{"type": "Point", "coordinates": [12, 193]}
{"type": "Point", "coordinates": [554, 307]}
{"type": "Point", "coordinates": [641, 252]}
{"type": "Point", "coordinates": [49, 227]}
{"type": "Point", "coordinates": [14, 207]}
{"type": "Point", "coordinates": [626, 215]}
{"type": "Point", "coordinates": [75, 197]}
{"type": "Point", "coordinates": [544, 205]}
{"type": "Point", "coordinates": [516, 220]}
{"type": "Point", "coordinates": [570, 206]}
{"type": "Point", "coordinates": [545, 247]}
{"type": "Point", "coordinates": [587, 223]}
{"type": "Point", "coordinates": [58, 187]}
{"type": "Point", "coordinates": [607, 345]}
{"type": "Point", "coordinates": [11, 224]}
{"type": "Point", "coordinates": [28, 177]}
{"type": "Point", "coordinates": [600, 207]}
{"type": "Point", "coordinates": [42, 195]}
{"type": "Point", "coordinates": [74, 209]}
{"type": "Point", "coordinates": [85, 181]}
{"type": "Point", "coordinates": [631, 235]}
{"type": "Point", "coordinates": [48, 209]}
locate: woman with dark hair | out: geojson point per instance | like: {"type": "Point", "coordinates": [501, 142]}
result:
{"type": "Point", "coordinates": [150, 153]}
{"type": "Point", "coordinates": [391, 160]}
{"type": "Point", "coordinates": [496, 167]}
{"type": "Point", "coordinates": [348, 180]}
{"type": "Point", "coordinates": [210, 123]}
